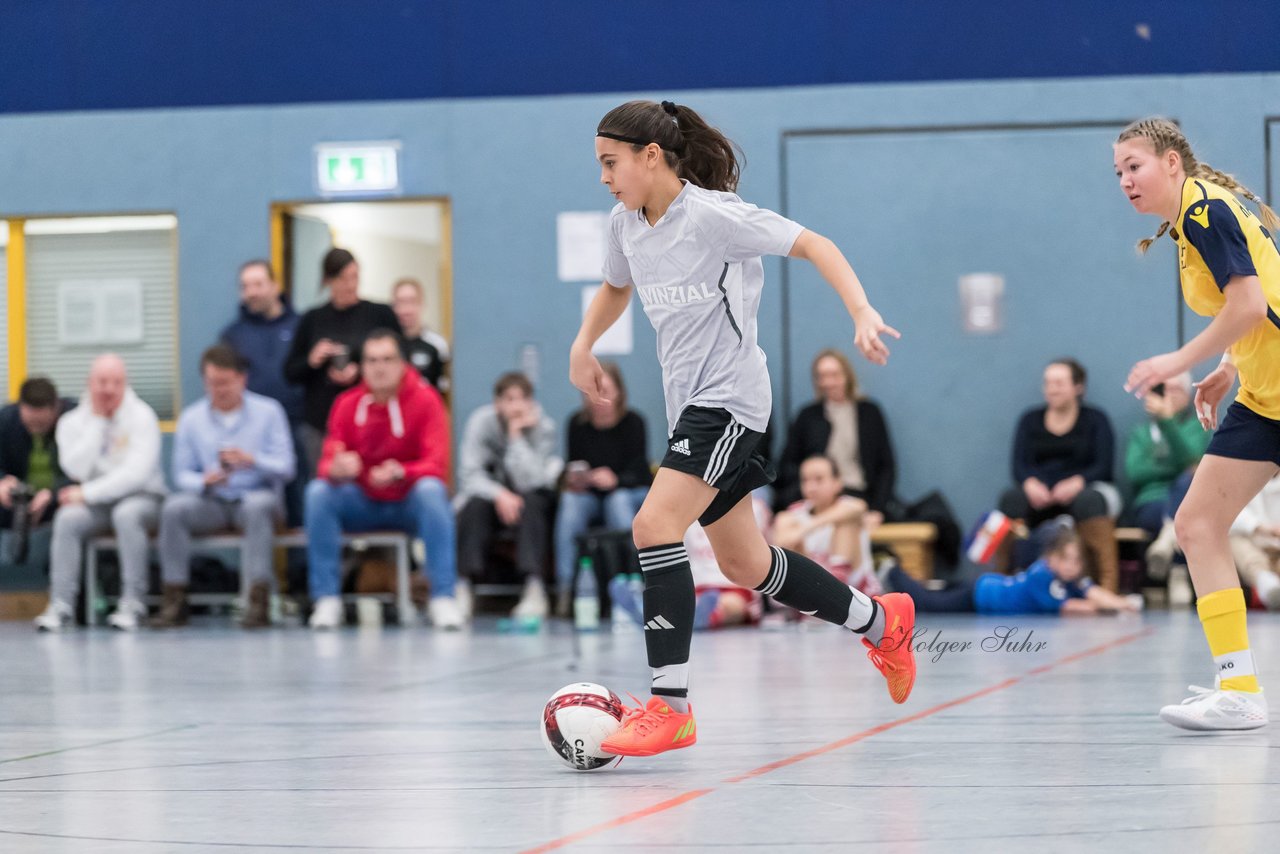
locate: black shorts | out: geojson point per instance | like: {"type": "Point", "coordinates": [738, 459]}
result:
{"type": "Point", "coordinates": [709, 444]}
{"type": "Point", "coordinates": [1246, 435]}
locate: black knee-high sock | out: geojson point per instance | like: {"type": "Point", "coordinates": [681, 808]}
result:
{"type": "Point", "coordinates": [797, 581]}
{"type": "Point", "coordinates": [668, 620]}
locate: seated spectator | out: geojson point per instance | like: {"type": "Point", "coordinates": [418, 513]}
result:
{"type": "Point", "coordinates": [508, 474]}
{"type": "Point", "coordinates": [325, 355]}
{"type": "Point", "coordinates": [1062, 457]}
{"type": "Point", "coordinates": [828, 527]}
{"type": "Point", "coordinates": [1255, 545]}
{"type": "Point", "coordinates": [428, 350]}
{"type": "Point", "coordinates": [109, 447]}
{"type": "Point", "coordinates": [232, 455]}
{"type": "Point", "coordinates": [1160, 457]}
{"type": "Point", "coordinates": [848, 429]}
{"type": "Point", "coordinates": [383, 467]}
{"type": "Point", "coordinates": [1054, 584]}
{"type": "Point", "coordinates": [29, 454]}
{"type": "Point", "coordinates": [607, 475]}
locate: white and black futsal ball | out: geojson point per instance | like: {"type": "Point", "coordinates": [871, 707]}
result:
{"type": "Point", "coordinates": [574, 722]}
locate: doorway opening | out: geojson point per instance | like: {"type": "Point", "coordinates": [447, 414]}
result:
{"type": "Point", "coordinates": [392, 240]}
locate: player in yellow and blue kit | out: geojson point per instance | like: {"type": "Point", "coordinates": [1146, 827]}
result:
{"type": "Point", "coordinates": [1230, 271]}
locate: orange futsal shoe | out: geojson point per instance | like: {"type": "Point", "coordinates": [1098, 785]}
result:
{"type": "Point", "coordinates": [893, 656]}
{"type": "Point", "coordinates": [654, 729]}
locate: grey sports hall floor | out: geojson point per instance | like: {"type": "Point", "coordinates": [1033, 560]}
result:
{"type": "Point", "coordinates": [216, 740]}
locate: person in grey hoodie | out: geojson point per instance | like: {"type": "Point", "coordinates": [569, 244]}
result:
{"type": "Point", "coordinates": [109, 446]}
{"type": "Point", "coordinates": [509, 470]}
{"type": "Point", "coordinates": [232, 455]}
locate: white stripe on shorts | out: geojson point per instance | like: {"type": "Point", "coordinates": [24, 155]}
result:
{"type": "Point", "coordinates": [724, 448]}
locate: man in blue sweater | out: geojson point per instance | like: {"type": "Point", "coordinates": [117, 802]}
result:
{"type": "Point", "coordinates": [232, 456]}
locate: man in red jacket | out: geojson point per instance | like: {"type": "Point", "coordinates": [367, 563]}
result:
{"type": "Point", "coordinates": [383, 466]}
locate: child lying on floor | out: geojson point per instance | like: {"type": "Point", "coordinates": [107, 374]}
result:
{"type": "Point", "coordinates": [1054, 584]}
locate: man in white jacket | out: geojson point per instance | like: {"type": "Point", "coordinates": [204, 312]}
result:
{"type": "Point", "coordinates": [109, 447]}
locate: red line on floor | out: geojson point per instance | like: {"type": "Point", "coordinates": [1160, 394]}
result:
{"type": "Point", "coordinates": [672, 803]}
{"type": "Point", "coordinates": [619, 822]}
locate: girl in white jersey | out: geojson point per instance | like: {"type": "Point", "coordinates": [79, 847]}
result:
{"type": "Point", "coordinates": [691, 249]}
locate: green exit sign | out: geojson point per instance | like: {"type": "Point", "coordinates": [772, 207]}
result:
{"type": "Point", "coordinates": [362, 168]}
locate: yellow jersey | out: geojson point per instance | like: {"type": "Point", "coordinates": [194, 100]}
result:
{"type": "Point", "coordinates": [1218, 237]}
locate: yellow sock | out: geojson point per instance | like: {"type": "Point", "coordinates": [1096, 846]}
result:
{"type": "Point", "coordinates": [1223, 616]}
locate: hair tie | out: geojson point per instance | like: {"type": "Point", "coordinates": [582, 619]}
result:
{"type": "Point", "coordinates": [669, 108]}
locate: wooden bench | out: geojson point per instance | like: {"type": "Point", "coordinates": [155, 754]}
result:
{"type": "Point", "coordinates": [912, 542]}
{"type": "Point", "coordinates": [297, 538]}
{"type": "Point", "coordinates": [1132, 535]}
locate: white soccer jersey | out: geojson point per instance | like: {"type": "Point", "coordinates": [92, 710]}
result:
{"type": "Point", "coordinates": [699, 275]}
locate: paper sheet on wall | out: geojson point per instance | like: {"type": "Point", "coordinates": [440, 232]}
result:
{"type": "Point", "coordinates": [580, 243]}
{"type": "Point", "coordinates": [97, 312]}
{"type": "Point", "coordinates": [617, 340]}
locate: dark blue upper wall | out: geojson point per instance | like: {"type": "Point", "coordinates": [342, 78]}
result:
{"type": "Point", "coordinates": [114, 54]}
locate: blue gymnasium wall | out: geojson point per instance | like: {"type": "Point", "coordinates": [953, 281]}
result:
{"type": "Point", "coordinates": [509, 165]}
{"type": "Point", "coordinates": [124, 54]}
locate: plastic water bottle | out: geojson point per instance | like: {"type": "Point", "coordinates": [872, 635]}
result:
{"type": "Point", "coordinates": [586, 598]}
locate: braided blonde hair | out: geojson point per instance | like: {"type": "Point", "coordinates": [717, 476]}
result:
{"type": "Point", "coordinates": [1164, 135]}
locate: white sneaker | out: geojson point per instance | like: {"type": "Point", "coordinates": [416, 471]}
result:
{"type": "Point", "coordinates": [445, 613]}
{"type": "Point", "coordinates": [1214, 709]}
{"type": "Point", "coordinates": [56, 617]}
{"type": "Point", "coordinates": [462, 595]}
{"type": "Point", "coordinates": [128, 615]}
{"type": "Point", "coordinates": [1160, 553]}
{"type": "Point", "coordinates": [1180, 590]}
{"type": "Point", "coordinates": [533, 602]}
{"type": "Point", "coordinates": [328, 613]}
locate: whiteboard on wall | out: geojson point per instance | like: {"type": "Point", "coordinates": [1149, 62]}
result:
{"type": "Point", "coordinates": [580, 245]}
{"type": "Point", "coordinates": [617, 339]}
{"type": "Point", "coordinates": [94, 312]}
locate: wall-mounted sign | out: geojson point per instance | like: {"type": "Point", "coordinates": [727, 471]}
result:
{"type": "Point", "coordinates": [357, 168]}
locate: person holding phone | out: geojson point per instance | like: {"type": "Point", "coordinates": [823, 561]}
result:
{"type": "Point", "coordinates": [324, 358]}
{"type": "Point", "coordinates": [607, 477]}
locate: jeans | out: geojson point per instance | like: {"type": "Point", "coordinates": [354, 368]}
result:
{"type": "Point", "coordinates": [578, 510]}
{"type": "Point", "coordinates": [334, 508]}
{"type": "Point", "coordinates": [1152, 515]}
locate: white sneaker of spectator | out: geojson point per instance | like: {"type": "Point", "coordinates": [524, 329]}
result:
{"type": "Point", "coordinates": [128, 615]}
{"type": "Point", "coordinates": [1160, 553]}
{"type": "Point", "coordinates": [533, 601]}
{"type": "Point", "coordinates": [328, 613]}
{"type": "Point", "coordinates": [462, 595]}
{"type": "Point", "coordinates": [55, 618]}
{"type": "Point", "coordinates": [1214, 709]}
{"type": "Point", "coordinates": [445, 613]}
{"type": "Point", "coordinates": [1179, 585]}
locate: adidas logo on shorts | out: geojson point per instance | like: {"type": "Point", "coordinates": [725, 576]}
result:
{"type": "Point", "coordinates": [682, 447]}
{"type": "Point", "coordinates": [659, 622]}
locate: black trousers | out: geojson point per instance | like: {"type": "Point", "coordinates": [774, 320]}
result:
{"type": "Point", "coordinates": [479, 525]}
{"type": "Point", "coordinates": [1089, 504]}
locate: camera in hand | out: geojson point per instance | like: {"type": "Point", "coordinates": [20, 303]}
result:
{"type": "Point", "coordinates": [340, 359]}
{"type": "Point", "coordinates": [20, 528]}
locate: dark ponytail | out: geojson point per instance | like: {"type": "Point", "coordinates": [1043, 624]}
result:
{"type": "Point", "coordinates": [693, 149]}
